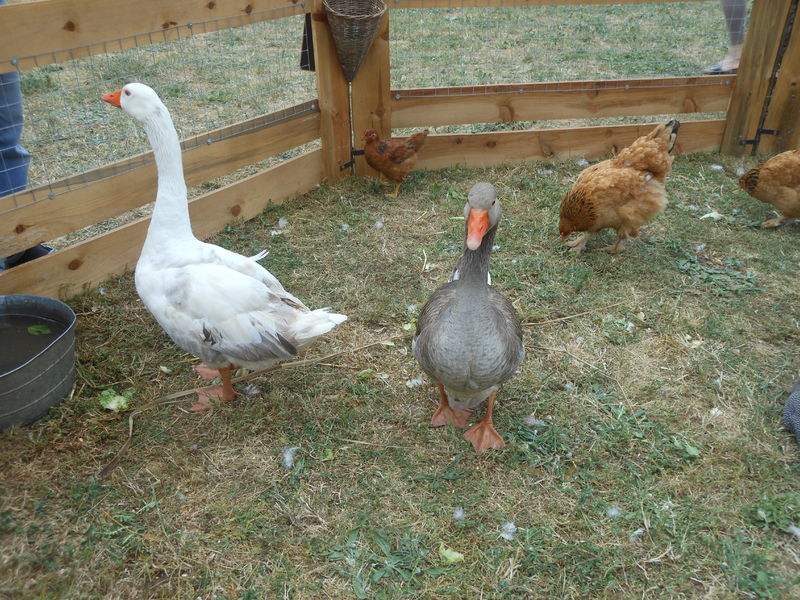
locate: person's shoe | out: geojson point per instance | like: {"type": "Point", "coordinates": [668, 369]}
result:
{"type": "Point", "coordinates": [718, 69]}
{"type": "Point", "coordinates": [728, 65]}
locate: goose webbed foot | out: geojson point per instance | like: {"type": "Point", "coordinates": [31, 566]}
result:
{"type": "Point", "coordinates": [446, 415]}
{"type": "Point", "coordinates": [206, 372]}
{"type": "Point", "coordinates": [220, 393]}
{"type": "Point", "coordinates": [483, 435]}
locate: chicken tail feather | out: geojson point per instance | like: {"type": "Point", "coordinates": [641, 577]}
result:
{"type": "Point", "coordinates": [417, 141]}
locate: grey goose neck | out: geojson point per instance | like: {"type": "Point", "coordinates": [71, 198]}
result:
{"type": "Point", "coordinates": [473, 266]}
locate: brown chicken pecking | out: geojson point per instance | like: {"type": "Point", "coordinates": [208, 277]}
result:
{"type": "Point", "coordinates": [776, 182]}
{"type": "Point", "coordinates": [394, 157]}
{"type": "Point", "coordinates": [623, 193]}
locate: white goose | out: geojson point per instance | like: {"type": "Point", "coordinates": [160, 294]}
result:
{"type": "Point", "coordinates": [220, 306]}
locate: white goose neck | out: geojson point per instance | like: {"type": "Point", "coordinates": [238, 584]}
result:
{"type": "Point", "coordinates": [170, 218]}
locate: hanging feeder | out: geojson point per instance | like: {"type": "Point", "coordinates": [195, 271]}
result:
{"type": "Point", "coordinates": [354, 25]}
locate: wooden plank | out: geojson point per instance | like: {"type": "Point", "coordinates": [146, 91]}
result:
{"type": "Point", "coordinates": [761, 47]}
{"type": "Point", "coordinates": [432, 107]}
{"type": "Point", "coordinates": [371, 106]}
{"type": "Point", "coordinates": [333, 92]}
{"type": "Point", "coordinates": [41, 218]}
{"type": "Point", "coordinates": [517, 3]}
{"type": "Point", "coordinates": [783, 114]}
{"type": "Point", "coordinates": [492, 149]}
{"type": "Point", "coordinates": [78, 268]}
{"type": "Point", "coordinates": [47, 31]}
{"type": "Point", "coordinates": [241, 128]}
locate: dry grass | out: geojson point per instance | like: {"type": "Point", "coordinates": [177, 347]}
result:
{"type": "Point", "coordinates": [657, 467]}
{"type": "Point", "coordinates": [658, 373]}
{"type": "Point", "coordinates": [222, 78]}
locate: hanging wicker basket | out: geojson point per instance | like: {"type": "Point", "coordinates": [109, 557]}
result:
{"type": "Point", "coordinates": [354, 25]}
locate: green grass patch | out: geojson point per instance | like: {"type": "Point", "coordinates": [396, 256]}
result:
{"type": "Point", "coordinates": [645, 456]}
{"type": "Point", "coordinates": [643, 429]}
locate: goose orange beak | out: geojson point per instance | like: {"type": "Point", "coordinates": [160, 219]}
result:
{"type": "Point", "coordinates": [477, 226]}
{"type": "Point", "coordinates": [113, 98]}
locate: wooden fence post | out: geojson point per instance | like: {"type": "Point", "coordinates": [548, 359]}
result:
{"type": "Point", "coordinates": [783, 115]}
{"type": "Point", "coordinates": [753, 87]}
{"type": "Point", "coordinates": [334, 97]}
{"type": "Point", "coordinates": [370, 94]}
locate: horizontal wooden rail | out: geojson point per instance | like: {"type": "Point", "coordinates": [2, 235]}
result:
{"type": "Point", "coordinates": [482, 150]}
{"type": "Point", "coordinates": [430, 107]}
{"type": "Point", "coordinates": [73, 270]}
{"type": "Point", "coordinates": [236, 130]}
{"type": "Point", "coordinates": [517, 3]}
{"type": "Point", "coordinates": [38, 33]}
{"type": "Point", "coordinates": [40, 218]}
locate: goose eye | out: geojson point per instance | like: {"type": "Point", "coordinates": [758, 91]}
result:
{"type": "Point", "coordinates": [127, 92]}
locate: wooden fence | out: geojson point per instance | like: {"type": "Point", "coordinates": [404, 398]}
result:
{"type": "Point", "coordinates": [761, 104]}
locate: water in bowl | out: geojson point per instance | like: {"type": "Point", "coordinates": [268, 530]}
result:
{"type": "Point", "coordinates": [23, 336]}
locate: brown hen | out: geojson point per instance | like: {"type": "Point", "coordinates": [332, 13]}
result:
{"type": "Point", "coordinates": [776, 182]}
{"type": "Point", "coordinates": [623, 193]}
{"type": "Point", "coordinates": [394, 157]}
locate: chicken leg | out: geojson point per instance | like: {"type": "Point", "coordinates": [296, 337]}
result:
{"type": "Point", "coordinates": [396, 191]}
{"type": "Point", "coordinates": [579, 244]}
{"type": "Point", "coordinates": [778, 222]}
{"type": "Point", "coordinates": [617, 246]}
{"type": "Point", "coordinates": [446, 415]}
{"type": "Point", "coordinates": [483, 435]}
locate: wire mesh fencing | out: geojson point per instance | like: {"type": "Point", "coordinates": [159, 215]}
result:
{"type": "Point", "coordinates": [222, 80]}
{"type": "Point", "coordinates": [465, 47]}
{"type": "Point", "coordinates": [225, 78]}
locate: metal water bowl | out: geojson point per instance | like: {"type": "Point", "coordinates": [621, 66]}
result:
{"type": "Point", "coordinates": [37, 357]}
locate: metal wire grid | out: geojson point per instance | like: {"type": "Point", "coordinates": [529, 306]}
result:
{"type": "Point", "coordinates": [208, 81]}
{"type": "Point", "coordinates": [463, 46]}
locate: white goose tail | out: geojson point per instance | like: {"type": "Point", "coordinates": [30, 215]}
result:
{"type": "Point", "coordinates": [259, 256]}
{"type": "Point", "coordinates": [312, 324]}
